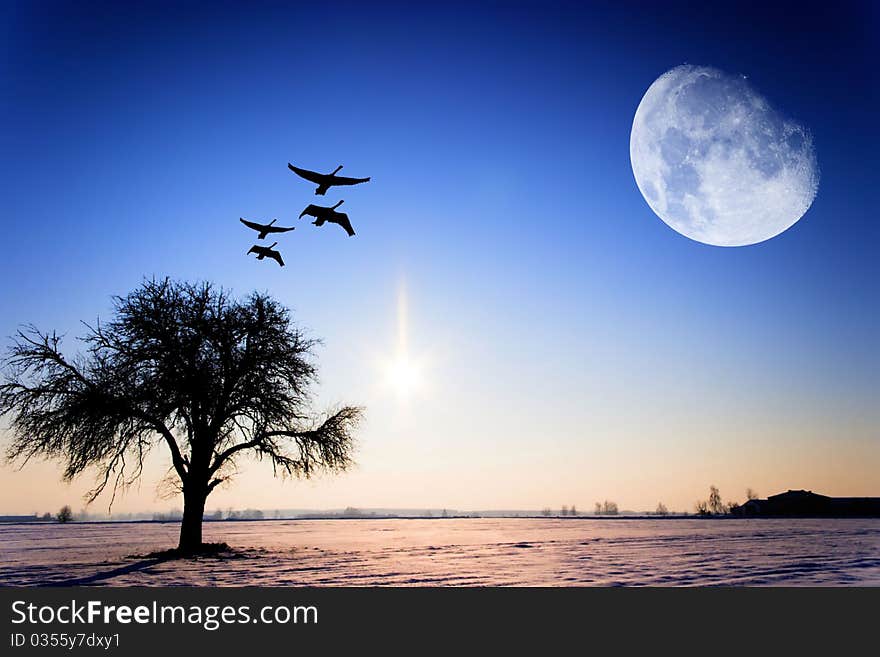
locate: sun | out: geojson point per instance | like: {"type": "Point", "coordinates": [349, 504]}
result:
{"type": "Point", "coordinates": [403, 375]}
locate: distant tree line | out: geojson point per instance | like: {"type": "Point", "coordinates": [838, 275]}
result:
{"type": "Point", "coordinates": [606, 508]}
{"type": "Point", "coordinates": [715, 507]}
{"type": "Point", "coordinates": [564, 511]}
{"type": "Point", "coordinates": [247, 514]}
{"type": "Point", "coordinates": [230, 514]}
{"type": "Point", "coordinates": [64, 515]}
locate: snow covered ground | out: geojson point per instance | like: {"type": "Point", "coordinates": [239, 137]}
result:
{"type": "Point", "coordinates": [454, 552]}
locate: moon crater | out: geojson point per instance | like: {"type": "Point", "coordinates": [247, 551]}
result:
{"type": "Point", "coordinates": [716, 162]}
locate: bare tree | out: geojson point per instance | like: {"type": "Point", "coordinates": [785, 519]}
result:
{"type": "Point", "coordinates": [547, 511]}
{"type": "Point", "coordinates": [716, 506]}
{"type": "Point", "coordinates": [702, 508]}
{"type": "Point", "coordinates": [751, 494]}
{"type": "Point", "coordinates": [573, 511]}
{"type": "Point", "coordinates": [184, 366]}
{"type": "Point", "coordinates": [65, 514]}
{"type": "Point", "coordinates": [661, 509]}
{"type": "Point", "coordinates": [598, 509]}
{"type": "Point", "coordinates": [609, 508]}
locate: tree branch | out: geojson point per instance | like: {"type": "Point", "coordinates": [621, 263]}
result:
{"type": "Point", "coordinates": [177, 459]}
{"type": "Point", "coordinates": [327, 445]}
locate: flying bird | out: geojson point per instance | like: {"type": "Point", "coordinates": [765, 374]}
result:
{"type": "Point", "coordinates": [266, 252]}
{"type": "Point", "coordinates": [325, 181]}
{"type": "Point", "coordinates": [265, 229]}
{"type": "Point", "coordinates": [320, 211]}
{"type": "Point", "coordinates": [323, 214]}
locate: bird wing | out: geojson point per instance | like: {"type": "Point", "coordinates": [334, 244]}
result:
{"type": "Point", "coordinates": [342, 180]}
{"type": "Point", "coordinates": [250, 224]}
{"type": "Point", "coordinates": [278, 229]}
{"type": "Point", "coordinates": [308, 175]}
{"type": "Point", "coordinates": [342, 219]}
{"type": "Point", "coordinates": [276, 256]}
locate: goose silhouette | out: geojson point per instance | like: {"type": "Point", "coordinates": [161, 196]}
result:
{"type": "Point", "coordinates": [265, 229]}
{"type": "Point", "coordinates": [330, 215]}
{"type": "Point", "coordinates": [266, 252]}
{"type": "Point", "coordinates": [325, 181]}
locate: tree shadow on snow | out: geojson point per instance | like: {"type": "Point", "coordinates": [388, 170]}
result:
{"type": "Point", "coordinates": [210, 550]}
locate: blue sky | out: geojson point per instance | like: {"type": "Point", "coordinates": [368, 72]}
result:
{"type": "Point", "coordinates": [575, 348]}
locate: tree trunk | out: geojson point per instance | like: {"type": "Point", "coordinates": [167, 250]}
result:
{"type": "Point", "coordinates": [191, 525]}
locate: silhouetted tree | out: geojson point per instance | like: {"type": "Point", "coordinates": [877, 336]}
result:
{"type": "Point", "coordinates": [609, 508]}
{"type": "Point", "coordinates": [47, 516]}
{"type": "Point", "coordinates": [751, 494]}
{"type": "Point", "coordinates": [65, 514]}
{"type": "Point", "coordinates": [661, 509]}
{"type": "Point", "coordinates": [702, 508]}
{"type": "Point", "coordinates": [564, 510]}
{"type": "Point", "coordinates": [547, 511]}
{"type": "Point", "coordinates": [186, 366]}
{"type": "Point", "coordinates": [573, 511]}
{"type": "Point", "coordinates": [598, 509]}
{"type": "Point", "coordinates": [716, 507]}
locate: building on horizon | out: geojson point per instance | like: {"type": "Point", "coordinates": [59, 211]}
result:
{"type": "Point", "coordinates": [16, 519]}
{"type": "Point", "coordinates": [808, 503]}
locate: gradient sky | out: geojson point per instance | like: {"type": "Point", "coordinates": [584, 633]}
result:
{"type": "Point", "coordinates": [572, 347]}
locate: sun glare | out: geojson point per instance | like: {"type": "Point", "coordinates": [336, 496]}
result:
{"type": "Point", "coordinates": [403, 376]}
{"type": "Point", "coordinates": [402, 373]}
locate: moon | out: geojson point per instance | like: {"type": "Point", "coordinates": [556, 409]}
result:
{"type": "Point", "coordinates": [716, 162]}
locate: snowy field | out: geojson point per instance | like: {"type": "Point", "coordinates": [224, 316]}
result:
{"type": "Point", "coordinates": [453, 552]}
